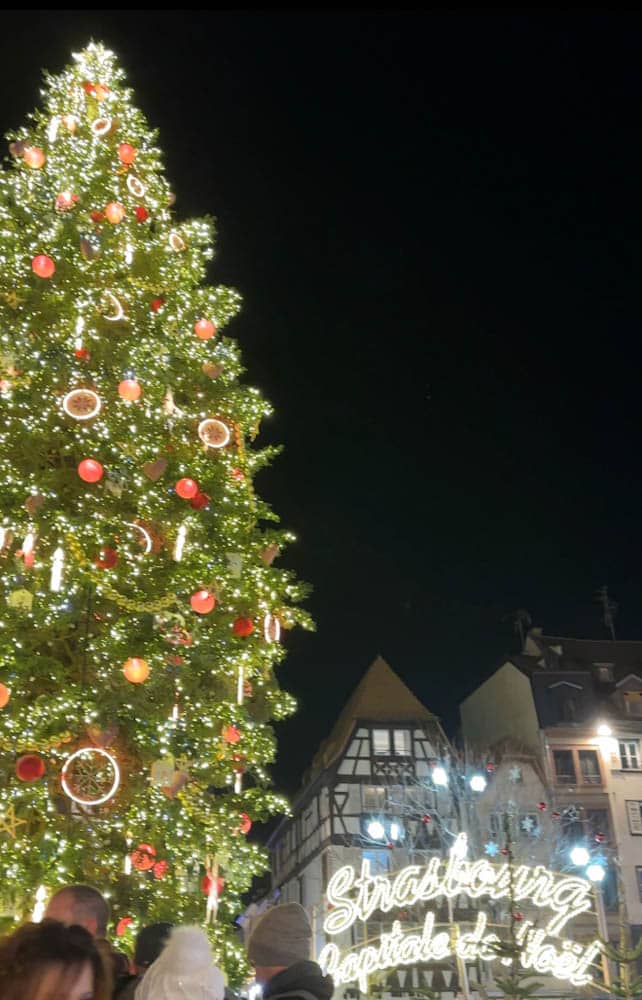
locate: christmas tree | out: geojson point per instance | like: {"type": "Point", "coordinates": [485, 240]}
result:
{"type": "Point", "coordinates": [141, 610]}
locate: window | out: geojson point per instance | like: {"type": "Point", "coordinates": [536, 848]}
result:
{"type": "Point", "coordinates": [576, 767]}
{"type": "Point", "coordinates": [403, 744]}
{"type": "Point", "coordinates": [589, 767]}
{"type": "Point", "coordinates": [381, 742]}
{"type": "Point", "coordinates": [604, 672]}
{"type": "Point", "coordinates": [633, 703]}
{"type": "Point", "coordinates": [634, 813]}
{"type": "Point", "coordinates": [630, 755]}
{"type": "Point", "coordinates": [563, 764]}
{"type": "Point", "coordinates": [379, 861]}
{"type": "Point", "coordinates": [519, 825]}
{"type": "Point", "coordinates": [373, 798]}
{"type": "Point", "coordinates": [597, 821]}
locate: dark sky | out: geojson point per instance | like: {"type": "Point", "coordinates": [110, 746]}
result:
{"type": "Point", "coordinates": [435, 222]}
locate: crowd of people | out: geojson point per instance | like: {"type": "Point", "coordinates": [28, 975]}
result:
{"type": "Point", "coordinates": [67, 957]}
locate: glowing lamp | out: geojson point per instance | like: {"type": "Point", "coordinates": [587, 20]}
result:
{"type": "Point", "coordinates": [114, 212]}
{"type": "Point", "coordinates": [231, 734]}
{"type": "Point", "coordinates": [604, 731]}
{"type": "Point", "coordinates": [580, 856]}
{"type": "Point", "coordinates": [5, 694]}
{"type": "Point", "coordinates": [243, 626]}
{"type": "Point", "coordinates": [204, 329]}
{"type": "Point", "coordinates": [30, 767]}
{"type": "Point", "coordinates": [43, 266]}
{"type": "Point", "coordinates": [186, 488]}
{"type": "Point", "coordinates": [375, 830]}
{"type": "Point", "coordinates": [395, 831]}
{"type": "Point", "coordinates": [439, 777]}
{"type": "Point", "coordinates": [34, 157]}
{"type": "Point", "coordinates": [595, 873]}
{"type": "Point", "coordinates": [202, 601]}
{"type": "Point", "coordinates": [478, 783]}
{"type": "Point", "coordinates": [90, 471]}
{"type": "Point", "coordinates": [126, 153]}
{"type": "Point", "coordinates": [136, 670]}
{"type": "Point", "coordinates": [129, 389]}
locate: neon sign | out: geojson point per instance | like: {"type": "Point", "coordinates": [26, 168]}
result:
{"type": "Point", "coordinates": [355, 898]}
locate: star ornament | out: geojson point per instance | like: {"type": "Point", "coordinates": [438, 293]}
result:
{"type": "Point", "coordinates": [9, 822]}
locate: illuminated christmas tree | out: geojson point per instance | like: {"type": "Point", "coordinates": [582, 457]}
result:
{"type": "Point", "coordinates": [141, 610]}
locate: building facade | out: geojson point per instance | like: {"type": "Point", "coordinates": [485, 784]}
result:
{"type": "Point", "coordinates": [575, 705]}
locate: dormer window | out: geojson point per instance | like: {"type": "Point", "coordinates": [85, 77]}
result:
{"type": "Point", "coordinates": [604, 672]}
{"type": "Point", "coordinates": [633, 703]}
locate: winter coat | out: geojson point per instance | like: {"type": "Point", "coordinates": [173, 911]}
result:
{"type": "Point", "coordinates": [301, 981]}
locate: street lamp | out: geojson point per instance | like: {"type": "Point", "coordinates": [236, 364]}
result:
{"type": "Point", "coordinates": [595, 872]}
{"type": "Point", "coordinates": [376, 830]}
{"type": "Point", "coordinates": [604, 730]}
{"type": "Point", "coordinates": [439, 777]}
{"type": "Point", "coordinates": [478, 782]}
{"type": "Point", "coordinates": [580, 856]}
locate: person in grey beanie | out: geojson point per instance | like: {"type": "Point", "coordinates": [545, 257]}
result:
{"type": "Point", "coordinates": [279, 949]}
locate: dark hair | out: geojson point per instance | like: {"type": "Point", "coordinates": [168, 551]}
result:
{"type": "Point", "coordinates": [150, 941]}
{"type": "Point", "coordinates": [28, 954]}
{"type": "Point", "coordinates": [87, 902]}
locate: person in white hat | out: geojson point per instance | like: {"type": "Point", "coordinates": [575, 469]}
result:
{"type": "Point", "coordinates": [184, 970]}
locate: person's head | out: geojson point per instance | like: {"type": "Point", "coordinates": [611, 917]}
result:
{"type": "Point", "coordinates": [80, 904]}
{"type": "Point", "coordinates": [40, 961]}
{"type": "Point", "coordinates": [184, 970]}
{"type": "Point", "coordinates": [150, 941]}
{"type": "Point", "coordinates": [281, 937]}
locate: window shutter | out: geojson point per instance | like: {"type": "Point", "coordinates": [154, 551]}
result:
{"type": "Point", "coordinates": [635, 818]}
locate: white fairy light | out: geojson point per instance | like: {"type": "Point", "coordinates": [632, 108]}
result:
{"type": "Point", "coordinates": [57, 565]}
{"type": "Point", "coordinates": [179, 545]}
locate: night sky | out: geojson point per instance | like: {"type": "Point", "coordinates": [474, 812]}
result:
{"type": "Point", "coordinates": [435, 223]}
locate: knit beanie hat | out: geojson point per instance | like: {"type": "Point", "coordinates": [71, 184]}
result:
{"type": "Point", "coordinates": [282, 936]}
{"type": "Point", "coordinates": [184, 970]}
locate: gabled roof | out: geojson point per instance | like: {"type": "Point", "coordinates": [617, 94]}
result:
{"type": "Point", "coordinates": [380, 696]}
{"type": "Point", "coordinates": [562, 653]}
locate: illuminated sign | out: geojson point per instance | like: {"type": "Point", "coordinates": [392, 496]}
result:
{"type": "Point", "coordinates": [357, 897]}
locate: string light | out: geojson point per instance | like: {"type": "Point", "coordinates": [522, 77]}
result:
{"type": "Point", "coordinates": [57, 566]}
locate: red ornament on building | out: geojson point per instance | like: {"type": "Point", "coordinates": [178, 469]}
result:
{"type": "Point", "coordinates": [541, 806]}
{"type": "Point", "coordinates": [600, 838]}
{"type": "Point", "coordinates": [426, 819]}
{"type": "Point", "coordinates": [491, 767]}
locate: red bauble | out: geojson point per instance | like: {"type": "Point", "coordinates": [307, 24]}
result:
{"type": "Point", "coordinates": [203, 601]}
{"type": "Point", "coordinates": [5, 694]}
{"type": "Point", "coordinates": [246, 823]}
{"type": "Point", "coordinates": [503, 850]}
{"type": "Point", "coordinates": [90, 471]}
{"type": "Point", "coordinates": [231, 734]}
{"type": "Point", "coordinates": [159, 869]}
{"type": "Point", "coordinates": [141, 213]}
{"type": "Point", "coordinates": [43, 266]}
{"type": "Point", "coordinates": [143, 857]}
{"type": "Point", "coordinates": [491, 767]}
{"type": "Point", "coordinates": [200, 501]}
{"type": "Point", "coordinates": [556, 815]}
{"type": "Point", "coordinates": [158, 303]}
{"type": "Point", "coordinates": [243, 626]}
{"type": "Point", "coordinates": [126, 153]}
{"type": "Point", "coordinates": [129, 389]}
{"type": "Point", "coordinates": [186, 488]}
{"type": "Point", "coordinates": [122, 925]}
{"type": "Point", "coordinates": [600, 838]}
{"type": "Point", "coordinates": [114, 212]}
{"type": "Point", "coordinates": [426, 819]}
{"type": "Point", "coordinates": [30, 767]}
{"type": "Point", "coordinates": [107, 558]}
{"type": "Point", "coordinates": [518, 916]}
{"type": "Point", "coordinates": [238, 475]}
{"type": "Point", "coordinates": [82, 353]}
{"type": "Point", "coordinates": [204, 329]}
{"type": "Point", "coordinates": [97, 216]}
{"type": "Point", "coordinates": [541, 806]}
